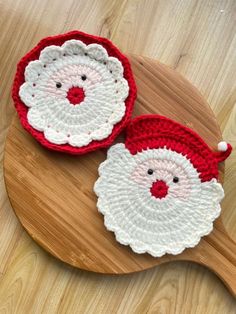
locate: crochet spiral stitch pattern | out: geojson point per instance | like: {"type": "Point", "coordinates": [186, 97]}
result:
{"type": "Point", "coordinates": [159, 192]}
{"type": "Point", "coordinates": [74, 92]}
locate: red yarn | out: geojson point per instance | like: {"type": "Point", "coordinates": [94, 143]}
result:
{"type": "Point", "coordinates": [59, 40]}
{"type": "Point", "coordinates": [159, 189]}
{"type": "Point", "coordinates": [155, 131]}
{"type": "Point", "coordinates": [75, 95]}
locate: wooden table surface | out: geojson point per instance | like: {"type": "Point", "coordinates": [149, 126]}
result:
{"type": "Point", "coordinates": [198, 39]}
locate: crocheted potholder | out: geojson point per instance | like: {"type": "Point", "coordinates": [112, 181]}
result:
{"type": "Point", "coordinates": [74, 92]}
{"type": "Point", "coordinates": [159, 192]}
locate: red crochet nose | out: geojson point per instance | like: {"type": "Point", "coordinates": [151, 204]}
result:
{"type": "Point", "coordinates": [159, 189]}
{"type": "Point", "coordinates": [75, 95]}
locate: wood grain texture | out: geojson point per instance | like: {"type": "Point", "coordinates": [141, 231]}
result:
{"type": "Point", "coordinates": [195, 37]}
{"type": "Point", "coordinates": [52, 193]}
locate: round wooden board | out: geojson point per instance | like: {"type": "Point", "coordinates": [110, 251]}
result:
{"type": "Point", "coordinates": [52, 193]}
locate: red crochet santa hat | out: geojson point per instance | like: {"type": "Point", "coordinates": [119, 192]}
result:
{"type": "Point", "coordinates": [155, 131]}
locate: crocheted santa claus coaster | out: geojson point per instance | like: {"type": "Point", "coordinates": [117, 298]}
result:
{"type": "Point", "coordinates": [74, 92]}
{"type": "Point", "coordinates": [159, 191]}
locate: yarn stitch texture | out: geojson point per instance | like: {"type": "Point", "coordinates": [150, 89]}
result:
{"type": "Point", "coordinates": [74, 92]}
{"type": "Point", "coordinates": [159, 192]}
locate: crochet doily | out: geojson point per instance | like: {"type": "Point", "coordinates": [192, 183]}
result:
{"type": "Point", "coordinates": [76, 93]}
{"type": "Point", "coordinates": [155, 199]}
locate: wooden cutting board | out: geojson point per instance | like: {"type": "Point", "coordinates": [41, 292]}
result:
{"type": "Point", "coordinates": [52, 193]}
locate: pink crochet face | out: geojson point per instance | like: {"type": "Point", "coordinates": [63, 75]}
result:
{"type": "Point", "coordinates": [59, 84]}
{"type": "Point", "coordinates": [162, 178]}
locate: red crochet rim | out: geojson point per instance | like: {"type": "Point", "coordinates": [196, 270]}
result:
{"type": "Point", "coordinates": [58, 40]}
{"type": "Point", "coordinates": [156, 131]}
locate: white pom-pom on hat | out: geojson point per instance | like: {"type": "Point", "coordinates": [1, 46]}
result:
{"type": "Point", "coordinates": [222, 146]}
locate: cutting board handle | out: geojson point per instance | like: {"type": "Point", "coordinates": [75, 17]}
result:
{"type": "Point", "coordinates": [220, 256]}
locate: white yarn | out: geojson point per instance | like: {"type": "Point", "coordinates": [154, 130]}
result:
{"type": "Point", "coordinates": [149, 224]}
{"type": "Point", "coordinates": [49, 109]}
{"type": "Point", "coordinates": [222, 146]}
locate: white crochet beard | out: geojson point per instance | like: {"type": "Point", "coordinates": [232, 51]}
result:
{"type": "Point", "coordinates": [49, 109]}
{"type": "Point", "coordinates": [149, 224]}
